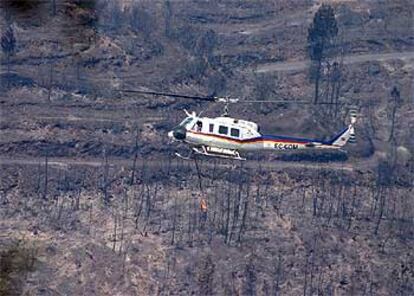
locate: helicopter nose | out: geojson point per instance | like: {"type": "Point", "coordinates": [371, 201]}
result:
{"type": "Point", "coordinates": [178, 134]}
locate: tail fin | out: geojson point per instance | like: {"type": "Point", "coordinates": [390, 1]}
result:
{"type": "Point", "coordinates": [347, 135]}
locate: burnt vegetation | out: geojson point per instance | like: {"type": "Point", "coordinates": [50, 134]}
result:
{"type": "Point", "coordinates": [125, 217]}
{"type": "Point", "coordinates": [290, 222]}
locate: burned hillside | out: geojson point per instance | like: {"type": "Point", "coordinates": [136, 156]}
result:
{"type": "Point", "coordinates": [93, 200]}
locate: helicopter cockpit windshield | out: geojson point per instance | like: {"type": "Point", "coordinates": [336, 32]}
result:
{"type": "Point", "coordinates": [185, 122]}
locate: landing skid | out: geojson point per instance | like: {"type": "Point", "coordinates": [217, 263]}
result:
{"type": "Point", "coordinates": [218, 152]}
{"type": "Point", "coordinates": [188, 157]}
{"type": "Point", "coordinates": [212, 152]}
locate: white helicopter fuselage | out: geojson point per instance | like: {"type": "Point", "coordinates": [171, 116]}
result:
{"type": "Point", "coordinates": [227, 136]}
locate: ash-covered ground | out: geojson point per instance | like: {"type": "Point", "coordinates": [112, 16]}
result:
{"type": "Point", "coordinates": [93, 202]}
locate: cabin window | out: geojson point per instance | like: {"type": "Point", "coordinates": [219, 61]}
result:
{"type": "Point", "coordinates": [235, 132]}
{"type": "Point", "coordinates": [224, 130]}
{"type": "Point", "coordinates": [211, 127]}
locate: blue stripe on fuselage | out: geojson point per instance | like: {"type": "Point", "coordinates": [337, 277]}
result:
{"type": "Point", "coordinates": [287, 138]}
{"type": "Point", "coordinates": [304, 140]}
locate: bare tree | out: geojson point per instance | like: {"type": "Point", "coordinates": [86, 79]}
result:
{"type": "Point", "coordinates": [141, 20]}
{"type": "Point", "coordinates": [116, 16]}
{"type": "Point", "coordinates": [49, 93]}
{"type": "Point", "coordinates": [381, 208]}
{"type": "Point", "coordinates": [250, 279]}
{"type": "Point", "coordinates": [8, 45]}
{"type": "Point", "coordinates": [174, 222]}
{"type": "Point", "coordinates": [278, 276]}
{"type": "Point", "coordinates": [236, 208]}
{"type": "Point", "coordinates": [53, 7]}
{"type": "Point", "coordinates": [206, 45]}
{"type": "Point", "coordinates": [168, 15]}
{"type": "Point", "coordinates": [205, 275]}
{"type": "Point", "coordinates": [321, 34]}
{"type": "Point", "coordinates": [245, 211]}
{"type": "Point", "coordinates": [228, 209]}
{"type": "Point", "coordinates": [333, 87]}
{"type": "Point", "coordinates": [115, 234]}
{"type": "Point", "coordinates": [134, 164]}
{"type": "Point", "coordinates": [263, 90]}
{"type": "Point", "coordinates": [46, 176]}
{"type": "Point", "coordinates": [393, 104]}
{"type": "Point", "coordinates": [106, 182]}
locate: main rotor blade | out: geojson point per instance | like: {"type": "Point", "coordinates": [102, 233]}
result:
{"type": "Point", "coordinates": [227, 100]}
{"type": "Point", "coordinates": [287, 102]}
{"type": "Point", "coordinates": [199, 98]}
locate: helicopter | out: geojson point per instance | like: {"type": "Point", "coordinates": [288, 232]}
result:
{"type": "Point", "coordinates": [228, 137]}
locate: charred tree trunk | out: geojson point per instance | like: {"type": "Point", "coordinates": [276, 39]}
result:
{"type": "Point", "coordinates": [46, 176]}
{"type": "Point", "coordinates": [317, 81]}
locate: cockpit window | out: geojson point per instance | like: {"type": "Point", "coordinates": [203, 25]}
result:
{"type": "Point", "coordinates": [186, 121]}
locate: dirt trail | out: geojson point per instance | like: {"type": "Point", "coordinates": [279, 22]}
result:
{"type": "Point", "coordinates": [353, 59]}
{"type": "Point", "coordinates": [65, 162]}
{"type": "Point", "coordinates": [71, 118]}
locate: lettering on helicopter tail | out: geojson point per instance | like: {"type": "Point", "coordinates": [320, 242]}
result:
{"type": "Point", "coordinates": [281, 146]}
